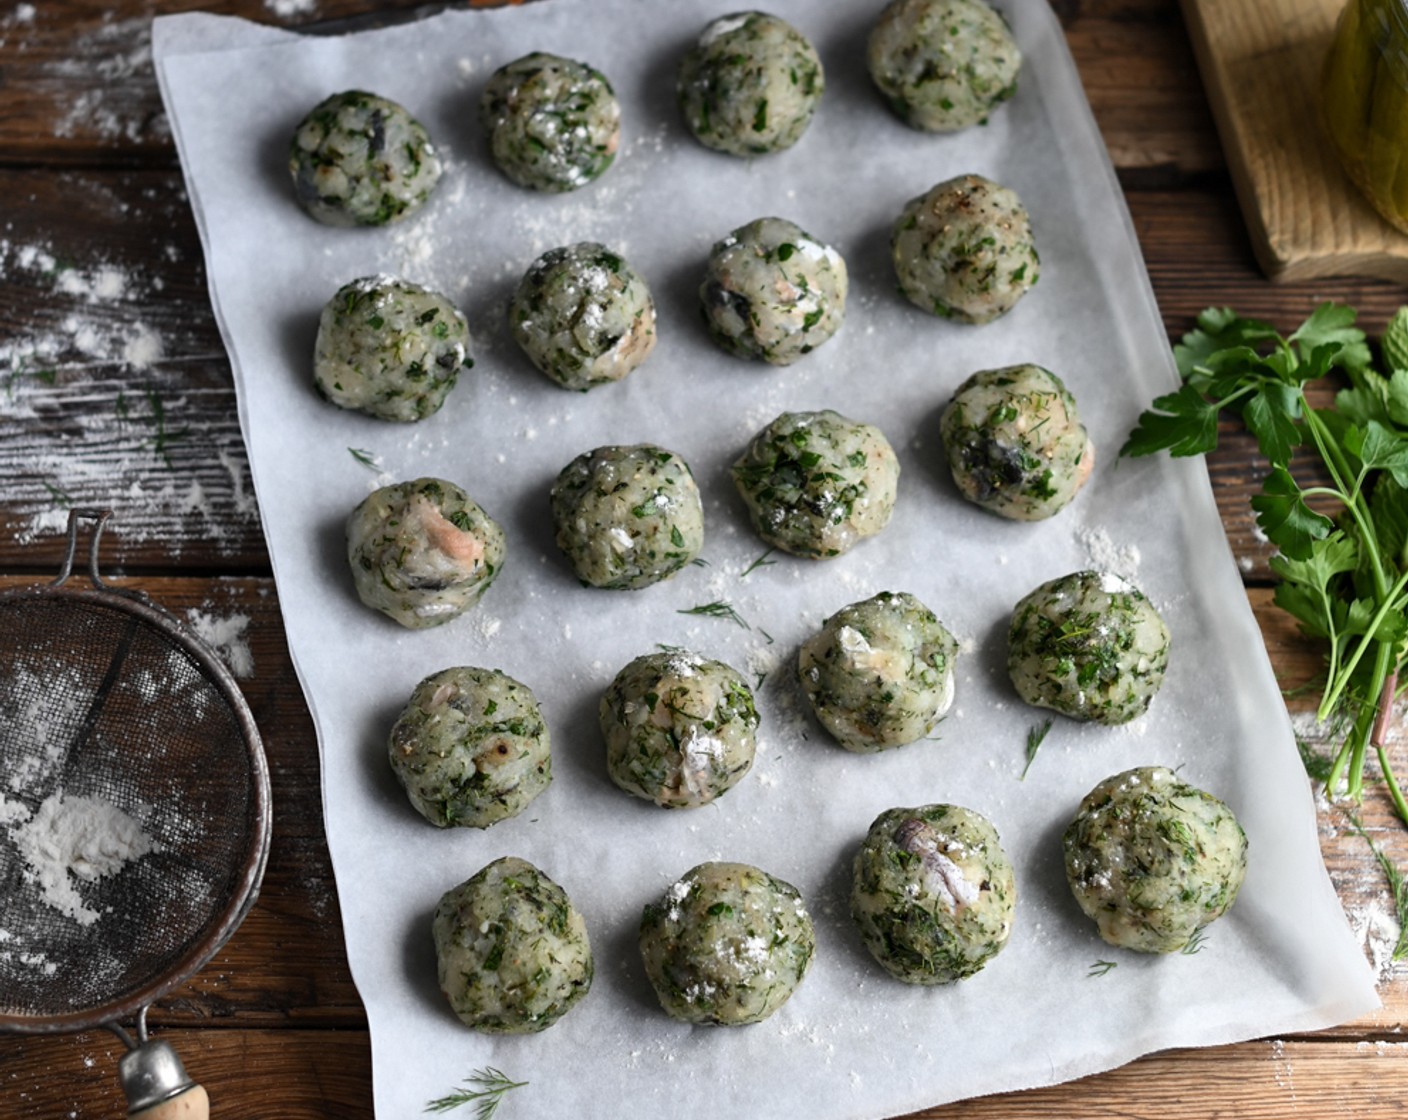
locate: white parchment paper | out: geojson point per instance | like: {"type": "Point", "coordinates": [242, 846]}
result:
{"type": "Point", "coordinates": [852, 1042]}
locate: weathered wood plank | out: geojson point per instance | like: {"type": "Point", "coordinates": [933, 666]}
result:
{"type": "Point", "coordinates": [326, 1075]}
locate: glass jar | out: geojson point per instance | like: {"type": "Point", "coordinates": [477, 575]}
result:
{"type": "Point", "coordinates": [1364, 97]}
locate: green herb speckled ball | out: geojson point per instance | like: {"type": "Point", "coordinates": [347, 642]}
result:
{"type": "Point", "coordinates": [726, 945]}
{"type": "Point", "coordinates": [471, 747]}
{"type": "Point", "coordinates": [932, 893]}
{"type": "Point", "coordinates": [511, 950]}
{"type": "Point", "coordinates": [1152, 859]}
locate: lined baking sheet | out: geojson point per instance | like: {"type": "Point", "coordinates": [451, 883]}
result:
{"type": "Point", "coordinates": [852, 1042]}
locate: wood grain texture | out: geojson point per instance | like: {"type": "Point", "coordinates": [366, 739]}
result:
{"type": "Point", "coordinates": [320, 1075]}
{"type": "Point", "coordinates": [1261, 63]}
{"type": "Point", "coordinates": [114, 389]}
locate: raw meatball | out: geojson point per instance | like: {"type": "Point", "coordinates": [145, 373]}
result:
{"type": "Point", "coordinates": [627, 517]}
{"type": "Point", "coordinates": [389, 348]}
{"type": "Point", "coordinates": [1088, 645]}
{"type": "Point", "coordinates": [583, 316]}
{"type": "Point", "coordinates": [471, 747]}
{"type": "Point", "coordinates": [879, 673]}
{"type": "Point", "coordinates": [932, 893]}
{"type": "Point", "coordinates": [679, 729]}
{"type": "Point", "coordinates": [943, 64]}
{"type": "Point", "coordinates": [553, 123]}
{"type": "Point", "coordinates": [773, 291]}
{"type": "Point", "coordinates": [511, 950]}
{"type": "Point", "coordinates": [964, 251]}
{"type": "Point", "coordinates": [1015, 444]}
{"type": "Point", "coordinates": [1153, 860]}
{"type": "Point", "coordinates": [815, 483]}
{"type": "Point", "coordinates": [727, 944]}
{"type": "Point", "coordinates": [750, 84]}
{"type": "Point", "coordinates": [360, 160]}
{"type": "Point", "coordinates": [422, 552]}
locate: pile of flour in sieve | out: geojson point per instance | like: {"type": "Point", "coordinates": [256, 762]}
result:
{"type": "Point", "coordinates": [72, 840]}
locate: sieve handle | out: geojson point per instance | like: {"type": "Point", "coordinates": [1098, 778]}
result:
{"type": "Point", "coordinates": [74, 517]}
{"type": "Point", "coordinates": [193, 1104]}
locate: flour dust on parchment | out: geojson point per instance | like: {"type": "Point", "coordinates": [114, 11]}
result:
{"type": "Point", "coordinates": [72, 840]}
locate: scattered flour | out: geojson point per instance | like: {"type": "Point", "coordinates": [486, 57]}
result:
{"type": "Point", "coordinates": [1377, 930]}
{"type": "Point", "coordinates": [227, 637]}
{"type": "Point", "coordinates": [1104, 555]}
{"type": "Point", "coordinates": [72, 840]}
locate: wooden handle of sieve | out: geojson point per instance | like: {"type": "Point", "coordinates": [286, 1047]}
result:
{"type": "Point", "coordinates": [193, 1104]}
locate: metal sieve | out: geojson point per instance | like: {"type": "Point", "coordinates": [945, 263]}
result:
{"type": "Point", "coordinates": [107, 701]}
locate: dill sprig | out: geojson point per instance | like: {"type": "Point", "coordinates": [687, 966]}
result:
{"type": "Point", "coordinates": [1035, 735]}
{"type": "Point", "coordinates": [1099, 968]}
{"type": "Point", "coordinates": [761, 562]}
{"type": "Point", "coordinates": [484, 1088]}
{"type": "Point", "coordinates": [719, 608]}
{"type": "Point", "coordinates": [1195, 943]}
{"type": "Point", "coordinates": [368, 459]}
{"type": "Point", "coordinates": [1397, 888]}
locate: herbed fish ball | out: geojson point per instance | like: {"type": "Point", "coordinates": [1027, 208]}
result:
{"type": "Point", "coordinates": [1088, 645]}
{"type": "Point", "coordinates": [471, 747]}
{"type": "Point", "coordinates": [422, 552]}
{"type": "Point", "coordinates": [553, 123]}
{"type": "Point", "coordinates": [1015, 444]}
{"type": "Point", "coordinates": [727, 944]}
{"type": "Point", "coordinates": [943, 65]}
{"type": "Point", "coordinates": [750, 84]}
{"type": "Point", "coordinates": [879, 673]}
{"type": "Point", "coordinates": [389, 348]}
{"type": "Point", "coordinates": [964, 250]}
{"type": "Point", "coordinates": [932, 893]}
{"type": "Point", "coordinates": [1152, 860]}
{"type": "Point", "coordinates": [358, 159]}
{"type": "Point", "coordinates": [627, 517]}
{"type": "Point", "coordinates": [583, 316]}
{"type": "Point", "coordinates": [816, 483]}
{"type": "Point", "coordinates": [680, 729]}
{"type": "Point", "coordinates": [511, 950]}
{"type": "Point", "coordinates": [773, 291]}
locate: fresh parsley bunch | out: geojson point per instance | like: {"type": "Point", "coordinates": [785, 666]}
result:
{"type": "Point", "coordinates": [1344, 579]}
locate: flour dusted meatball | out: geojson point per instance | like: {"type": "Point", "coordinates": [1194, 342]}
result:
{"type": "Point", "coordinates": [932, 893]}
{"type": "Point", "coordinates": [471, 748]}
{"type": "Point", "coordinates": [772, 291]}
{"type": "Point", "coordinates": [815, 483]}
{"type": "Point", "coordinates": [553, 123]}
{"type": "Point", "coordinates": [879, 673]}
{"type": "Point", "coordinates": [1088, 645]}
{"type": "Point", "coordinates": [583, 316]}
{"type": "Point", "coordinates": [964, 250]}
{"type": "Point", "coordinates": [943, 65]}
{"type": "Point", "coordinates": [389, 348]}
{"type": "Point", "coordinates": [1014, 442]}
{"type": "Point", "coordinates": [422, 552]}
{"type": "Point", "coordinates": [680, 729]}
{"type": "Point", "coordinates": [726, 945]}
{"type": "Point", "coordinates": [361, 160]}
{"type": "Point", "coordinates": [627, 517]}
{"type": "Point", "coordinates": [1153, 859]}
{"type": "Point", "coordinates": [511, 949]}
{"type": "Point", "coordinates": [750, 84]}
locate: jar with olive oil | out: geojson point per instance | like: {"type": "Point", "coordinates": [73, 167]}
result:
{"type": "Point", "coordinates": [1365, 101]}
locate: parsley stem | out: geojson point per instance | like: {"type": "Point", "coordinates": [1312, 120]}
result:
{"type": "Point", "coordinates": [1388, 601]}
{"type": "Point", "coordinates": [1394, 792]}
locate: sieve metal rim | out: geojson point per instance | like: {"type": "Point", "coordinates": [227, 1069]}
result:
{"type": "Point", "coordinates": [251, 868]}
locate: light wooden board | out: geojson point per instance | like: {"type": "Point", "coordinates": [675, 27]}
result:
{"type": "Point", "coordinates": [1261, 62]}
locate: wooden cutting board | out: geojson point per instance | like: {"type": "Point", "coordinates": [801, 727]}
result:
{"type": "Point", "coordinates": [1260, 61]}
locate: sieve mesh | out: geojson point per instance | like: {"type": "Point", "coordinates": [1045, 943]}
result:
{"type": "Point", "coordinates": [103, 698]}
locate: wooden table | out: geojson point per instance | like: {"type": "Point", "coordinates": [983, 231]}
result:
{"type": "Point", "coordinates": [115, 391]}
